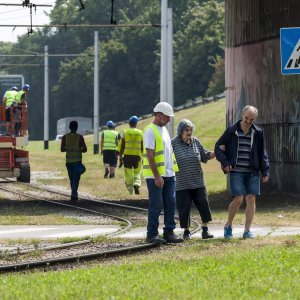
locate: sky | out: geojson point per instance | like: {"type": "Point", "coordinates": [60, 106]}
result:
{"type": "Point", "coordinates": [14, 15]}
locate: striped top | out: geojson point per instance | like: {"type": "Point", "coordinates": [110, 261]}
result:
{"type": "Point", "coordinates": [189, 158]}
{"type": "Point", "coordinates": [244, 152]}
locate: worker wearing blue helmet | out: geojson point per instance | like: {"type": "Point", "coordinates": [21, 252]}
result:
{"type": "Point", "coordinates": [20, 106]}
{"type": "Point", "coordinates": [131, 149]}
{"type": "Point", "coordinates": [21, 95]}
{"type": "Point", "coordinates": [108, 146]}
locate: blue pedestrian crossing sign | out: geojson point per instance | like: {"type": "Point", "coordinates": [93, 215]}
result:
{"type": "Point", "coordinates": [290, 50]}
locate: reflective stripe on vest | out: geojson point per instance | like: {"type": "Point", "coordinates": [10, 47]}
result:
{"type": "Point", "coordinates": [158, 155]}
{"type": "Point", "coordinates": [110, 140]}
{"type": "Point", "coordinates": [18, 96]}
{"type": "Point", "coordinates": [133, 139]}
{"type": "Point", "coordinates": [10, 97]}
{"type": "Point", "coordinates": [74, 153]}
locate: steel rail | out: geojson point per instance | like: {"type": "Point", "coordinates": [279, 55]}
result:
{"type": "Point", "coordinates": [75, 258]}
{"type": "Point", "coordinates": [129, 223]}
{"type": "Point", "coordinates": [74, 206]}
{"type": "Point", "coordinates": [86, 199]}
{"type": "Point", "coordinates": [194, 230]}
{"type": "Point", "coordinates": [44, 248]}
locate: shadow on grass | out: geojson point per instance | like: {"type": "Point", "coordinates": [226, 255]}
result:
{"type": "Point", "coordinates": [221, 200]}
{"type": "Point", "coordinates": [26, 208]}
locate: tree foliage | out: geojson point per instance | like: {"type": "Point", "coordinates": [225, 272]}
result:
{"type": "Point", "coordinates": [129, 58]}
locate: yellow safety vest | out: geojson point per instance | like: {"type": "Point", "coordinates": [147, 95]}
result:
{"type": "Point", "coordinates": [133, 139]}
{"type": "Point", "coordinates": [10, 97]}
{"type": "Point", "coordinates": [18, 96]}
{"type": "Point", "coordinates": [110, 139]}
{"type": "Point", "coordinates": [74, 153]}
{"type": "Point", "coordinates": [158, 155]}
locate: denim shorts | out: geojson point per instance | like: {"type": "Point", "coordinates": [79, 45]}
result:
{"type": "Point", "coordinates": [244, 184]}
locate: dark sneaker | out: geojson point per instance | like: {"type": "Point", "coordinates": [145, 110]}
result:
{"type": "Point", "coordinates": [172, 238]}
{"type": "Point", "coordinates": [206, 235]}
{"type": "Point", "coordinates": [136, 189]}
{"type": "Point", "coordinates": [228, 232]}
{"type": "Point", "coordinates": [156, 239]}
{"type": "Point", "coordinates": [74, 198]}
{"type": "Point", "coordinates": [186, 235]}
{"type": "Point", "coordinates": [111, 175]}
{"type": "Point", "coordinates": [248, 235]}
{"type": "Point", "coordinates": [106, 173]}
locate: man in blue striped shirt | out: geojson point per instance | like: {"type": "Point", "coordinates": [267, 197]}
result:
{"type": "Point", "coordinates": [241, 151]}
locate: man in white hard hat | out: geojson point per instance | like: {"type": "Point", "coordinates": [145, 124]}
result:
{"type": "Point", "coordinates": [159, 169]}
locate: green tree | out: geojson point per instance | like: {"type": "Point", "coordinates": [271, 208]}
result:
{"type": "Point", "coordinates": [196, 47]}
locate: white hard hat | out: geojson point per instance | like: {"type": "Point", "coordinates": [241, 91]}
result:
{"type": "Point", "coordinates": [164, 108]}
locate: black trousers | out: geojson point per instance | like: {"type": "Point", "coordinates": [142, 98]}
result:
{"type": "Point", "coordinates": [184, 200]}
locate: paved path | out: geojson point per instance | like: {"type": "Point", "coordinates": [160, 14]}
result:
{"type": "Point", "coordinates": [54, 232]}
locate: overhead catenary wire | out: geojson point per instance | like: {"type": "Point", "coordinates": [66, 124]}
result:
{"type": "Point", "coordinates": [85, 25]}
{"type": "Point", "coordinates": [16, 4]}
{"type": "Point", "coordinates": [21, 65]}
{"type": "Point", "coordinates": [42, 55]}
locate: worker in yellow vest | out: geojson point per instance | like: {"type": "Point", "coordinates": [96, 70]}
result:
{"type": "Point", "coordinates": [108, 146]}
{"type": "Point", "coordinates": [131, 146]}
{"type": "Point", "coordinates": [159, 167]}
{"type": "Point", "coordinates": [74, 145]}
{"type": "Point", "coordinates": [20, 103]}
{"type": "Point", "coordinates": [9, 102]}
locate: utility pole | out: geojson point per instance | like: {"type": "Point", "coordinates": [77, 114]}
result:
{"type": "Point", "coordinates": [166, 60]}
{"type": "Point", "coordinates": [170, 85]}
{"type": "Point", "coordinates": [46, 99]}
{"type": "Point", "coordinates": [163, 51]}
{"type": "Point", "coordinates": [96, 93]}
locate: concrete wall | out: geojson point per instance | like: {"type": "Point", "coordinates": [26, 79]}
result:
{"type": "Point", "coordinates": [253, 76]}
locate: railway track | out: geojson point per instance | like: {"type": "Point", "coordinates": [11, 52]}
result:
{"type": "Point", "coordinates": [78, 251]}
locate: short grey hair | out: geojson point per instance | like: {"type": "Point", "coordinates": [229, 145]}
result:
{"type": "Point", "coordinates": [250, 107]}
{"type": "Point", "coordinates": [184, 123]}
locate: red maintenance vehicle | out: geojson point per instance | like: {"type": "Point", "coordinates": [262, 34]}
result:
{"type": "Point", "coordinates": [14, 160]}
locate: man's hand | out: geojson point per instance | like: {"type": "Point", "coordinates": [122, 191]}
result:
{"type": "Point", "coordinates": [121, 162]}
{"type": "Point", "coordinates": [265, 179]}
{"type": "Point", "coordinates": [227, 169]}
{"type": "Point", "coordinates": [159, 181]}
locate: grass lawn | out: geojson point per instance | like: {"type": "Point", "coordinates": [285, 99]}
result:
{"type": "Point", "coordinates": [264, 268]}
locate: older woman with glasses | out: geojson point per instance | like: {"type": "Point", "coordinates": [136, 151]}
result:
{"type": "Point", "coordinates": [190, 185]}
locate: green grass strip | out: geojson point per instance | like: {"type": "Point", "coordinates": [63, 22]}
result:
{"type": "Point", "coordinates": [270, 272]}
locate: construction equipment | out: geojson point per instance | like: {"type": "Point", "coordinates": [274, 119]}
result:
{"type": "Point", "coordinates": [14, 160]}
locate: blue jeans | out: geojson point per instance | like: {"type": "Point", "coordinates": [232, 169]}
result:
{"type": "Point", "coordinates": [74, 171]}
{"type": "Point", "coordinates": [158, 198]}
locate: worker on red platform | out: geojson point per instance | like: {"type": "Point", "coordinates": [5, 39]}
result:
{"type": "Point", "coordinates": [8, 101]}
{"type": "Point", "coordinates": [20, 103]}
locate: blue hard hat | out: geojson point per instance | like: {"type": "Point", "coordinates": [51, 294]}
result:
{"type": "Point", "coordinates": [133, 119]}
{"type": "Point", "coordinates": [26, 87]}
{"type": "Point", "coordinates": [110, 124]}
{"type": "Point", "coordinates": [14, 88]}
